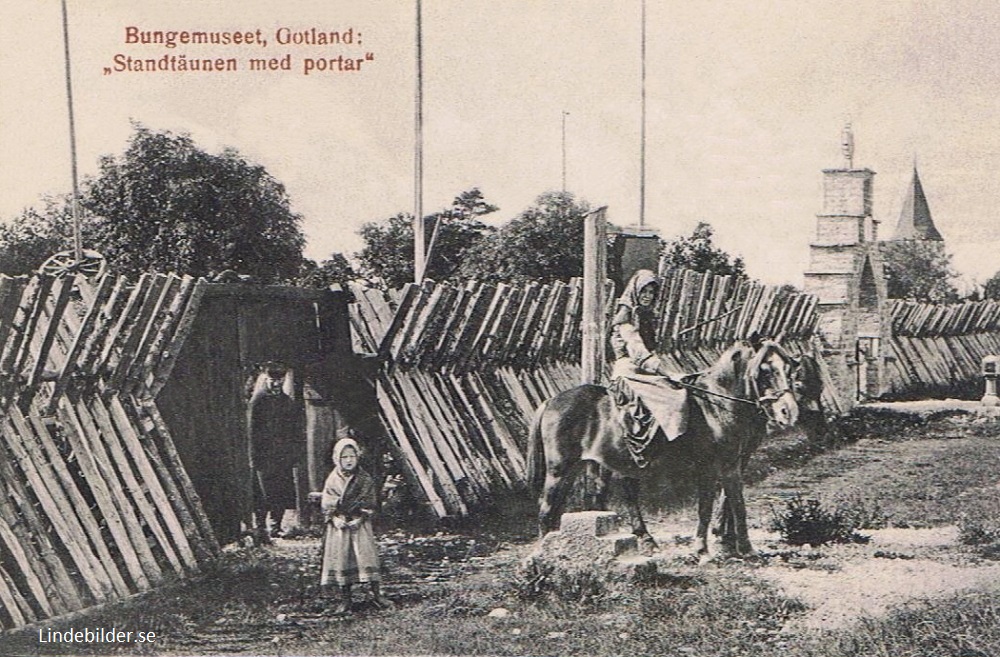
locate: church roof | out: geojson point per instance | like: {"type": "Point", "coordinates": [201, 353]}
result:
{"type": "Point", "coordinates": [915, 221]}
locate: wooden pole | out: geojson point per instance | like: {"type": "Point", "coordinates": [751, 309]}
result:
{"type": "Point", "coordinates": [77, 240]}
{"type": "Point", "coordinates": [419, 247]}
{"type": "Point", "coordinates": [594, 275]}
{"type": "Point", "coordinates": [642, 129]}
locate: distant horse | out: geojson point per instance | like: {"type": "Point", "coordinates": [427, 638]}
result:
{"type": "Point", "coordinates": [729, 407]}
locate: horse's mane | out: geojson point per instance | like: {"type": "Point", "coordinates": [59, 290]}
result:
{"type": "Point", "coordinates": [729, 370]}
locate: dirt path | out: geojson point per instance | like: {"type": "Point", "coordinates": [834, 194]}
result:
{"type": "Point", "coordinates": [920, 557]}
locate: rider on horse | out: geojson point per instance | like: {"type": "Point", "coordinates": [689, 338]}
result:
{"type": "Point", "coordinates": [637, 365]}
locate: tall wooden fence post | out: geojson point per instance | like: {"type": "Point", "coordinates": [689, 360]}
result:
{"type": "Point", "coordinates": [594, 277]}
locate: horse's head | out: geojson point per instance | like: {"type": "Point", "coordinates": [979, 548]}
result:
{"type": "Point", "coordinates": [769, 383]}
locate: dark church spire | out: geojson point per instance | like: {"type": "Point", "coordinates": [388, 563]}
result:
{"type": "Point", "coordinates": [915, 221]}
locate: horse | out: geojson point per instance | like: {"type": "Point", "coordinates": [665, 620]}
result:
{"type": "Point", "coordinates": [807, 386]}
{"type": "Point", "coordinates": [729, 406]}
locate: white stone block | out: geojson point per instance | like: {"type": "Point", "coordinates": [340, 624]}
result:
{"type": "Point", "coordinates": [589, 523]}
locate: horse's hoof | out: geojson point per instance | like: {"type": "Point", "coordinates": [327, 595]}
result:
{"type": "Point", "coordinates": [728, 551]}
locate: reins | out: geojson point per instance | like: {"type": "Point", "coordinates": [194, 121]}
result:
{"type": "Point", "coordinates": [706, 391]}
{"type": "Point", "coordinates": [759, 403]}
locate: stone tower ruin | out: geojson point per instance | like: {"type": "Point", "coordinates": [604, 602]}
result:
{"type": "Point", "coordinates": [845, 273]}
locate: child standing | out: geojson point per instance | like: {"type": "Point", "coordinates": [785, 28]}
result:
{"type": "Point", "coordinates": [350, 554]}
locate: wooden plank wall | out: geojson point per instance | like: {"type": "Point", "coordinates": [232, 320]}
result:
{"type": "Point", "coordinates": [467, 365]}
{"type": "Point", "coordinates": [938, 347]}
{"type": "Point", "coordinates": [94, 502]}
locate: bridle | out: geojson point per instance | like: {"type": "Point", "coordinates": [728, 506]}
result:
{"type": "Point", "coordinates": [761, 400]}
{"type": "Point", "coordinates": [780, 379]}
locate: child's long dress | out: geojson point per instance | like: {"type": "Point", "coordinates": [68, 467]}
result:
{"type": "Point", "coordinates": [350, 555]}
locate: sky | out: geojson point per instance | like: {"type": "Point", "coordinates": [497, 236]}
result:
{"type": "Point", "coordinates": [745, 105]}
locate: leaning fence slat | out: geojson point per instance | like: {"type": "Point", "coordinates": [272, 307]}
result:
{"type": "Point", "coordinates": [464, 406]}
{"type": "Point", "coordinates": [124, 320]}
{"type": "Point", "coordinates": [427, 428]}
{"type": "Point", "coordinates": [97, 299]}
{"type": "Point", "coordinates": [10, 299]}
{"type": "Point", "coordinates": [172, 460]}
{"type": "Point", "coordinates": [130, 437]}
{"type": "Point", "coordinates": [31, 548]}
{"type": "Point", "coordinates": [410, 459]}
{"type": "Point", "coordinates": [27, 565]}
{"type": "Point", "coordinates": [13, 602]}
{"type": "Point", "coordinates": [445, 423]}
{"type": "Point", "coordinates": [499, 324]}
{"type": "Point", "coordinates": [528, 296]}
{"type": "Point", "coordinates": [29, 313]}
{"type": "Point", "coordinates": [41, 356]}
{"type": "Point", "coordinates": [130, 483]}
{"type": "Point", "coordinates": [430, 315]}
{"type": "Point", "coordinates": [54, 505]}
{"type": "Point", "coordinates": [444, 475]}
{"type": "Point", "coordinates": [203, 547]}
{"type": "Point", "coordinates": [109, 310]}
{"type": "Point", "coordinates": [164, 337]}
{"type": "Point", "coordinates": [478, 393]}
{"type": "Point", "coordinates": [401, 326]}
{"type": "Point", "coordinates": [160, 373]}
{"type": "Point", "coordinates": [129, 339]}
{"type": "Point", "coordinates": [75, 431]}
{"type": "Point", "coordinates": [128, 513]}
{"type": "Point", "coordinates": [97, 541]}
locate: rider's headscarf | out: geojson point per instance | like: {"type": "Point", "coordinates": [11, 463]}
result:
{"type": "Point", "coordinates": [640, 279]}
{"type": "Point", "coordinates": [642, 317]}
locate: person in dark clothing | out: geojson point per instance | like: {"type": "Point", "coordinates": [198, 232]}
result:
{"type": "Point", "coordinates": [277, 447]}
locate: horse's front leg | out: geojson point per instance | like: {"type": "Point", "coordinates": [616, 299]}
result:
{"type": "Point", "coordinates": [706, 501]}
{"type": "Point", "coordinates": [724, 525]}
{"type": "Point", "coordinates": [732, 484]}
{"type": "Point", "coordinates": [630, 487]}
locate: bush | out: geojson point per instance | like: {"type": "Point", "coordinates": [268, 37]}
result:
{"type": "Point", "coordinates": [863, 513]}
{"type": "Point", "coordinates": [806, 522]}
{"type": "Point", "coordinates": [538, 579]}
{"type": "Point", "coordinates": [982, 534]}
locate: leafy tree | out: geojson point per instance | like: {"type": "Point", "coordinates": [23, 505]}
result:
{"type": "Point", "coordinates": [543, 243]}
{"type": "Point", "coordinates": [335, 270]}
{"type": "Point", "coordinates": [920, 270]}
{"type": "Point", "coordinates": [167, 205]}
{"type": "Point", "coordinates": [991, 289]}
{"type": "Point", "coordinates": [32, 236]}
{"type": "Point", "coordinates": [454, 231]}
{"type": "Point", "coordinates": [699, 253]}
{"type": "Point", "coordinates": [388, 252]}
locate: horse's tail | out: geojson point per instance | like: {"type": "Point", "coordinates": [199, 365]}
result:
{"type": "Point", "coordinates": [536, 459]}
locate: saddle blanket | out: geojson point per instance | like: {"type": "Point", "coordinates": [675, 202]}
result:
{"type": "Point", "coordinates": [648, 403]}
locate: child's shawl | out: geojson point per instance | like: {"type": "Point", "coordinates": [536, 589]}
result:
{"type": "Point", "coordinates": [352, 495]}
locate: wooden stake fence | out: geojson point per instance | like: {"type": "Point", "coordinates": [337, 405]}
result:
{"type": "Point", "coordinates": [465, 366]}
{"type": "Point", "coordinates": [94, 503]}
{"type": "Point", "coordinates": [937, 347]}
